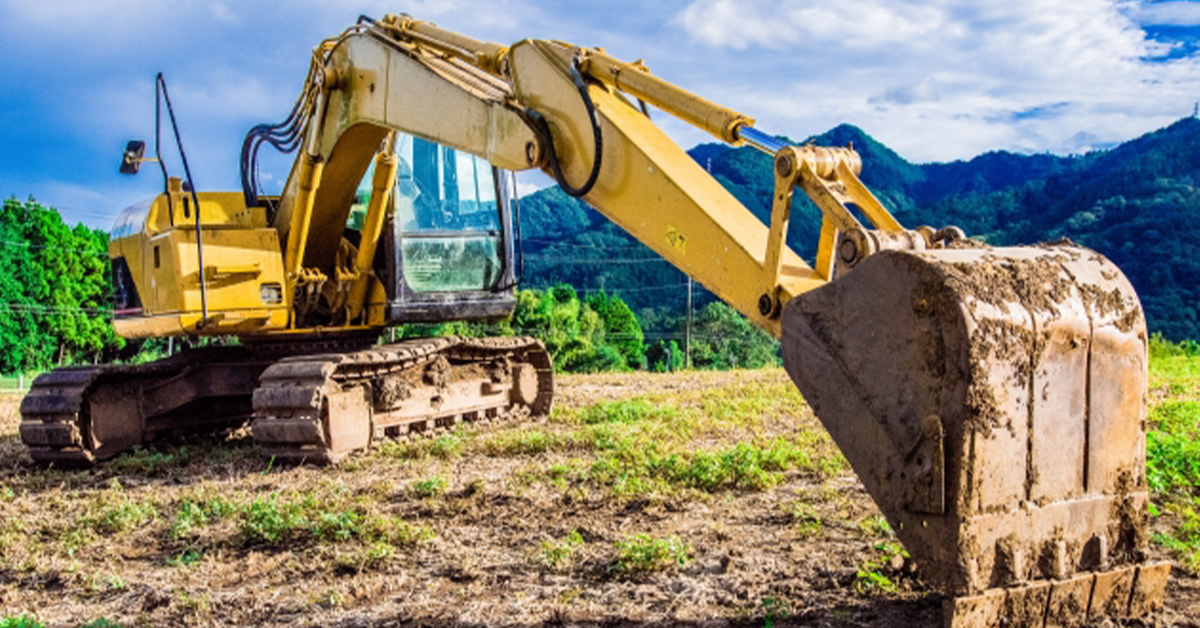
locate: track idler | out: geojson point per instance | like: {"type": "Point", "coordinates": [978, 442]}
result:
{"type": "Point", "coordinates": [993, 402]}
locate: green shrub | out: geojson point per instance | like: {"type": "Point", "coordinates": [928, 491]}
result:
{"type": "Point", "coordinates": [428, 488]}
{"type": "Point", "coordinates": [643, 552]}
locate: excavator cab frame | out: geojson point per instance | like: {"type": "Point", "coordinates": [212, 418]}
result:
{"type": "Point", "coordinates": [449, 237]}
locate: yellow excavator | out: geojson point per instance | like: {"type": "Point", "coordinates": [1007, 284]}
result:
{"type": "Point", "coordinates": [992, 400]}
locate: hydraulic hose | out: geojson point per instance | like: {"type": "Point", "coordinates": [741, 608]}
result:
{"type": "Point", "coordinates": [543, 130]}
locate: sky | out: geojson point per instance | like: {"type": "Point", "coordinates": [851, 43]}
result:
{"type": "Point", "coordinates": [936, 80]}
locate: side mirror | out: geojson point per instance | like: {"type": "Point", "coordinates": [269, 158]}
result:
{"type": "Point", "coordinates": [132, 160]}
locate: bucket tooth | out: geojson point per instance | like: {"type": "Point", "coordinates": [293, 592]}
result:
{"type": "Point", "coordinates": [992, 401]}
{"type": "Point", "coordinates": [1110, 595]}
{"type": "Point", "coordinates": [1068, 606]}
{"type": "Point", "coordinates": [1149, 587]}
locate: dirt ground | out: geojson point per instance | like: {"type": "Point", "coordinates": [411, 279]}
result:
{"type": "Point", "coordinates": [107, 543]}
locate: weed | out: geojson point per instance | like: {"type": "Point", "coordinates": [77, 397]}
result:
{"type": "Point", "coordinates": [144, 461]}
{"type": "Point", "coordinates": [891, 550]}
{"type": "Point", "coordinates": [22, 621]}
{"type": "Point", "coordinates": [1173, 461]}
{"type": "Point", "coordinates": [1184, 541]}
{"type": "Point", "coordinates": [396, 531]}
{"type": "Point", "coordinates": [773, 608]}
{"type": "Point", "coordinates": [874, 526]}
{"type": "Point", "coordinates": [633, 467]}
{"type": "Point", "coordinates": [869, 577]}
{"type": "Point", "coordinates": [331, 598]}
{"type": "Point", "coordinates": [643, 552]}
{"type": "Point", "coordinates": [366, 558]}
{"type": "Point", "coordinates": [1176, 416]}
{"type": "Point", "coordinates": [1173, 449]}
{"type": "Point", "coordinates": [265, 520]}
{"type": "Point", "coordinates": [189, 515]}
{"type": "Point", "coordinates": [117, 583]}
{"type": "Point", "coordinates": [303, 518]}
{"type": "Point", "coordinates": [428, 488]}
{"type": "Point", "coordinates": [124, 517]}
{"type": "Point", "coordinates": [808, 522]}
{"type": "Point", "coordinates": [558, 554]}
{"type": "Point", "coordinates": [102, 583]}
{"type": "Point", "coordinates": [101, 623]}
{"type": "Point", "coordinates": [336, 526]}
{"type": "Point", "coordinates": [189, 556]}
{"type": "Point", "coordinates": [625, 411]}
{"type": "Point", "coordinates": [524, 441]}
{"type": "Point", "coordinates": [109, 513]}
{"type": "Point", "coordinates": [447, 446]}
{"type": "Point", "coordinates": [195, 602]}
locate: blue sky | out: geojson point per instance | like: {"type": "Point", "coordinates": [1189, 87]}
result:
{"type": "Point", "coordinates": [934, 79]}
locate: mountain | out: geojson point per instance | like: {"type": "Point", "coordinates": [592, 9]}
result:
{"type": "Point", "coordinates": [1136, 203]}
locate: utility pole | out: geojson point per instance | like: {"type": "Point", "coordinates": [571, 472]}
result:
{"type": "Point", "coordinates": [687, 336]}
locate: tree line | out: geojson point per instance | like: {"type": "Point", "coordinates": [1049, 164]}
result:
{"type": "Point", "coordinates": [55, 310]}
{"type": "Point", "coordinates": [54, 291]}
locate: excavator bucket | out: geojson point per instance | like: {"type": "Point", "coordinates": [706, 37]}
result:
{"type": "Point", "coordinates": [993, 402]}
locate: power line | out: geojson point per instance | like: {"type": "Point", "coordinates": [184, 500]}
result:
{"type": "Point", "coordinates": [28, 245]}
{"type": "Point", "coordinates": [37, 308]}
{"type": "Point", "coordinates": [611, 290]}
{"type": "Point", "coordinates": [582, 260]}
{"type": "Point", "coordinates": [585, 246]}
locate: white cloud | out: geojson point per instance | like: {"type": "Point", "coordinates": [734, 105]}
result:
{"type": "Point", "coordinates": [1178, 13]}
{"type": "Point", "coordinates": [925, 90]}
{"type": "Point", "coordinates": [944, 79]}
{"type": "Point", "coordinates": [744, 23]}
{"type": "Point", "coordinates": [532, 181]}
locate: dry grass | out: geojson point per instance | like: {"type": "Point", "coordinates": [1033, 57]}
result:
{"type": "Point", "coordinates": [676, 498]}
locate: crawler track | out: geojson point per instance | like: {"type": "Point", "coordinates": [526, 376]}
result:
{"type": "Point", "coordinates": [320, 408]}
{"type": "Point", "coordinates": [80, 415]}
{"type": "Point", "coordinates": [309, 408]}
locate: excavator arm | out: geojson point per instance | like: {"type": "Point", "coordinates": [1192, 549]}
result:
{"type": "Point", "coordinates": [531, 106]}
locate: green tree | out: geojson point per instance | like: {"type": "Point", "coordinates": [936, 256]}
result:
{"type": "Point", "coordinates": [54, 288]}
{"type": "Point", "coordinates": [665, 356]}
{"type": "Point", "coordinates": [621, 328]}
{"type": "Point", "coordinates": [581, 336]}
{"type": "Point", "coordinates": [723, 339]}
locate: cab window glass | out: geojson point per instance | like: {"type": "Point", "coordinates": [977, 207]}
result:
{"type": "Point", "coordinates": [447, 216]}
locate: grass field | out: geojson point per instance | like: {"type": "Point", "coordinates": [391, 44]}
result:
{"type": "Point", "coordinates": [14, 384]}
{"type": "Point", "coordinates": [693, 498]}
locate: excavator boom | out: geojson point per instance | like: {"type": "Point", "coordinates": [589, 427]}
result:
{"type": "Point", "coordinates": [992, 400]}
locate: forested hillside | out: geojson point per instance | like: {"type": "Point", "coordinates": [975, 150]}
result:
{"type": "Point", "coordinates": [1137, 204]}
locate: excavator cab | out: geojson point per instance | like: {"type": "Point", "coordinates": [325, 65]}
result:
{"type": "Point", "coordinates": [451, 250]}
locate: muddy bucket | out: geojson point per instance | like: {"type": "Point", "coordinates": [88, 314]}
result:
{"type": "Point", "coordinates": [993, 402]}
